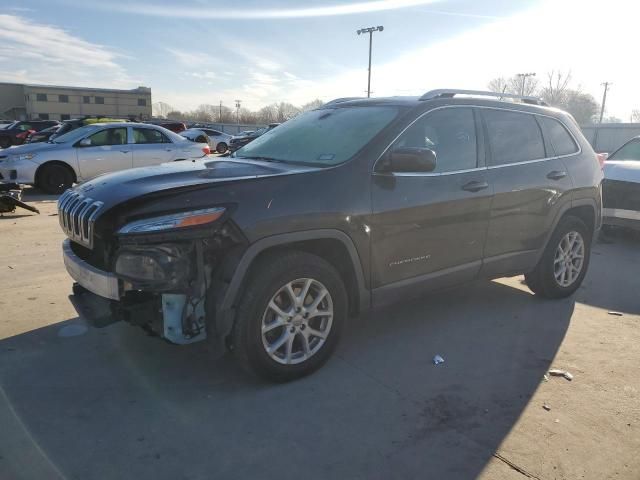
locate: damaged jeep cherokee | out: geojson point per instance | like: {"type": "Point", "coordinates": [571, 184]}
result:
{"type": "Point", "coordinates": [357, 204]}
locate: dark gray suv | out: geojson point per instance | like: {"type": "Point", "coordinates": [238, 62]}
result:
{"type": "Point", "coordinates": [354, 205]}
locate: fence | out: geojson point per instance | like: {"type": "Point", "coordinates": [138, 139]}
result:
{"type": "Point", "coordinates": [608, 137]}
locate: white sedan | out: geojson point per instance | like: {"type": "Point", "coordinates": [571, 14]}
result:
{"type": "Point", "coordinates": [90, 151]}
{"type": "Point", "coordinates": [218, 141]}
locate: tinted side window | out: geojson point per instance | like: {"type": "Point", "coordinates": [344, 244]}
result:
{"type": "Point", "coordinates": [561, 140]}
{"type": "Point", "coordinates": [451, 133]}
{"type": "Point", "coordinates": [110, 136]}
{"type": "Point", "coordinates": [147, 135]}
{"type": "Point", "coordinates": [513, 137]}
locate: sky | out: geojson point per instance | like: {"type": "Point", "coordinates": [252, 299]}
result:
{"type": "Point", "coordinates": [193, 52]}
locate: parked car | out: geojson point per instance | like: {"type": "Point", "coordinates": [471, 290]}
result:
{"type": "Point", "coordinates": [354, 205]}
{"type": "Point", "coordinates": [16, 132]}
{"type": "Point", "coordinates": [43, 135]}
{"type": "Point", "coordinates": [621, 187]}
{"type": "Point", "coordinates": [92, 150]}
{"type": "Point", "coordinates": [241, 140]}
{"type": "Point", "coordinates": [175, 127]}
{"type": "Point", "coordinates": [69, 125]}
{"type": "Point", "coordinates": [218, 141]}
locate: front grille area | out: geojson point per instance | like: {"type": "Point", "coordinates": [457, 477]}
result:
{"type": "Point", "coordinates": [77, 215]}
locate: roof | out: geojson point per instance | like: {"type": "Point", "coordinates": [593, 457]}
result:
{"type": "Point", "coordinates": [139, 90]}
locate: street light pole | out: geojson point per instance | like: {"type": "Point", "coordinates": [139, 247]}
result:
{"type": "Point", "coordinates": [370, 31]}
{"type": "Point", "coordinates": [238, 102]}
{"type": "Point", "coordinates": [524, 77]}
{"type": "Point", "coordinates": [604, 99]}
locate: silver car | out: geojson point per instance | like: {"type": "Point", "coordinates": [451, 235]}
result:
{"type": "Point", "coordinates": [218, 141]}
{"type": "Point", "coordinates": [90, 151]}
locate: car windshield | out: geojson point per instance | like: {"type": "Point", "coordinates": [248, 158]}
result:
{"type": "Point", "coordinates": [630, 151]}
{"type": "Point", "coordinates": [77, 134]}
{"type": "Point", "coordinates": [323, 137]}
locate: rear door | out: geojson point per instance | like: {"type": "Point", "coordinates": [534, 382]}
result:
{"type": "Point", "coordinates": [426, 226]}
{"type": "Point", "coordinates": [531, 184]}
{"type": "Point", "coordinates": [151, 147]}
{"type": "Point", "coordinates": [108, 152]}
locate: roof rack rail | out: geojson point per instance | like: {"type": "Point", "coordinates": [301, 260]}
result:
{"type": "Point", "coordinates": [450, 93]}
{"type": "Point", "coordinates": [343, 99]}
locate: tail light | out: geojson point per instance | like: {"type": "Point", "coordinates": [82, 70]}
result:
{"type": "Point", "coordinates": [24, 134]}
{"type": "Point", "coordinates": [206, 150]}
{"type": "Point", "coordinates": [602, 157]}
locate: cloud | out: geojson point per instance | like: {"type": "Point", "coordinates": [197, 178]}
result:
{"type": "Point", "coordinates": [40, 53]}
{"type": "Point", "coordinates": [191, 58]}
{"type": "Point", "coordinates": [221, 13]}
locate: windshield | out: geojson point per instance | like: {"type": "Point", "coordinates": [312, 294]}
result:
{"type": "Point", "coordinates": [11, 125]}
{"type": "Point", "coordinates": [76, 134]}
{"type": "Point", "coordinates": [321, 137]}
{"type": "Point", "coordinates": [630, 151]}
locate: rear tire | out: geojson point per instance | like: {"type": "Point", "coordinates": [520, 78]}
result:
{"type": "Point", "coordinates": [221, 147]}
{"type": "Point", "coordinates": [5, 143]}
{"type": "Point", "coordinates": [54, 178]}
{"type": "Point", "coordinates": [279, 333]}
{"type": "Point", "coordinates": [565, 260]}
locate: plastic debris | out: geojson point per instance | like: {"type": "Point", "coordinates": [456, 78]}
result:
{"type": "Point", "coordinates": [557, 420]}
{"type": "Point", "coordinates": [560, 373]}
{"type": "Point", "coordinates": [546, 377]}
{"type": "Point", "coordinates": [546, 407]}
{"type": "Point", "coordinates": [617, 314]}
{"type": "Point", "coordinates": [437, 360]}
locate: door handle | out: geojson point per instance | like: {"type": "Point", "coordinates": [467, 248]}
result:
{"type": "Point", "coordinates": [124, 151]}
{"type": "Point", "coordinates": [475, 186]}
{"type": "Point", "coordinates": [556, 175]}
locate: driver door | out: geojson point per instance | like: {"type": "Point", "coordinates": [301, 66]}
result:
{"type": "Point", "coordinates": [108, 151]}
{"type": "Point", "coordinates": [429, 228]}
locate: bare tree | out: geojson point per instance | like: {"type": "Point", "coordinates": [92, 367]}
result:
{"type": "Point", "coordinates": [174, 114]}
{"type": "Point", "coordinates": [555, 91]}
{"type": "Point", "coordinates": [582, 106]}
{"type": "Point", "coordinates": [523, 85]}
{"type": "Point", "coordinates": [161, 109]}
{"type": "Point", "coordinates": [499, 85]}
{"type": "Point", "coordinates": [635, 116]}
{"type": "Point", "coordinates": [317, 103]}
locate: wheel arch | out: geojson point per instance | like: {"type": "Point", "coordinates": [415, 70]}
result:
{"type": "Point", "coordinates": [54, 162]}
{"type": "Point", "coordinates": [334, 246]}
{"type": "Point", "coordinates": [584, 209]}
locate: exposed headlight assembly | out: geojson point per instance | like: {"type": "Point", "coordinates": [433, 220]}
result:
{"type": "Point", "coordinates": [173, 221]}
{"type": "Point", "coordinates": [162, 267]}
{"type": "Point", "coordinates": [24, 156]}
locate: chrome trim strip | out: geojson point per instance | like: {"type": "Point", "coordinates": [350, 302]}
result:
{"type": "Point", "coordinates": [427, 174]}
{"type": "Point", "coordinates": [621, 213]}
{"type": "Point", "coordinates": [486, 167]}
{"type": "Point", "coordinates": [101, 283]}
{"type": "Point", "coordinates": [74, 216]}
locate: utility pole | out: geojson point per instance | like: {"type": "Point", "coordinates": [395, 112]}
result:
{"type": "Point", "coordinates": [220, 112]}
{"type": "Point", "coordinates": [238, 102]}
{"type": "Point", "coordinates": [604, 98]}
{"type": "Point", "coordinates": [370, 31]}
{"type": "Point", "coordinates": [524, 77]}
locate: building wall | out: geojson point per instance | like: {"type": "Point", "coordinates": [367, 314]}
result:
{"type": "Point", "coordinates": [117, 103]}
{"type": "Point", "coordinates": [12, 101]}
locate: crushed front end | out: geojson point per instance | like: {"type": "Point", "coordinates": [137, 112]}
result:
{"type": "Point", "coordinates": [159, 271]}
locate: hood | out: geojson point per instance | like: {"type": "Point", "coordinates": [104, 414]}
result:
{"type": "Point", "coordinates": [622, 170]}
{"type": "Point", "coordinates": [118, 187]}
{"type": "Point", "coordinates": [28, 148]}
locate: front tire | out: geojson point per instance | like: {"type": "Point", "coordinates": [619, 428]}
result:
{"type": "Point", "coordinates": [54, 178]}
{"type": "Point", "coordinates": [290, 317]}
{"type": "Point", "coordinates": [565, 260]}
{"type": "Point", "coordinates": [5, 143]}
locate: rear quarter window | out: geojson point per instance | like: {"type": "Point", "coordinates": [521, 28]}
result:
{"type": "Point", "coordinates": [514, 137]}
{"type": "Point", "coordinates": [560, 138]}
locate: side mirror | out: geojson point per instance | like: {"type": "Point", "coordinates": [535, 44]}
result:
{"type": "Point", "coordinates": [410, 160]}
{"type": "Point", "coordinates": [85, 142]}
